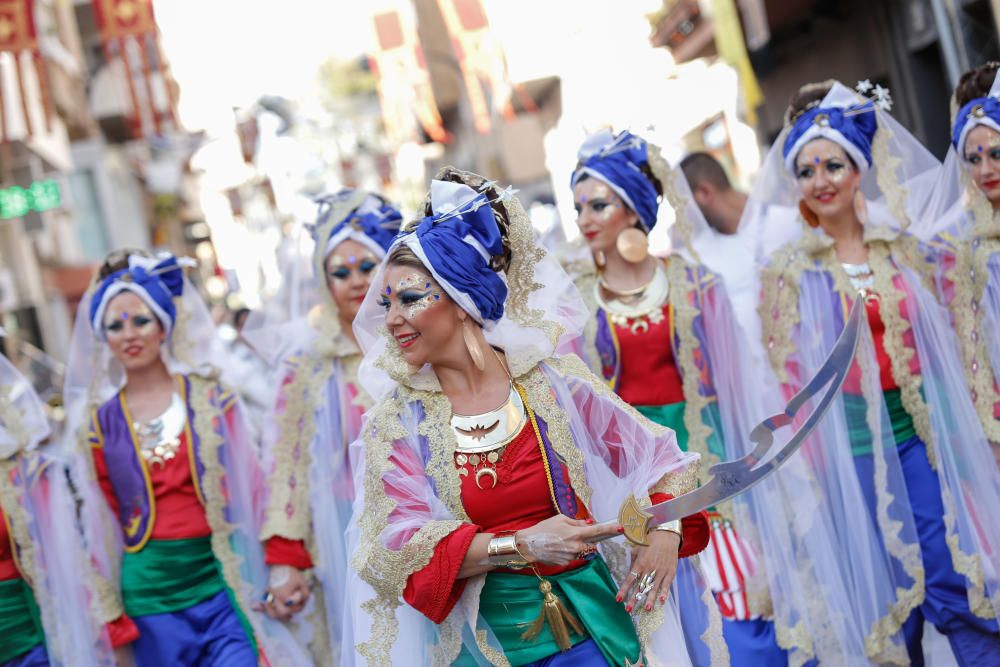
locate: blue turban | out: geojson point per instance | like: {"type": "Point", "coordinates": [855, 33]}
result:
{"type": "Point", "coordinates": [155, 280]}
{"type": "Point", "coordinates": [617, 161]}
{"type": "Point", "coordinates": [853, 129]}
{"type": "Point", "coordinates": [456, 243]}
{"type": "Point", "coordinates": [374, 223]}
{"type": "Point", "coordinates": [980, 111]}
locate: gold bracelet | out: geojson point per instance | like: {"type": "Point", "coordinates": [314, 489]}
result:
{"type": "Point", "coordinates": [503, 552]}
{"type": "Point", "coordinates": [673, 527]}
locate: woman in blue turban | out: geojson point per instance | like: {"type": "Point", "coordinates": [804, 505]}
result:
{"type": "Point", "coordinates": [901, 462]}
{"type": "Point", "coordinates": [487, 460]}
{"type": "Point", "coordinates": [661, 335]}
{"type": "Point", "coordinates": [169, 478]}
{"type": "Point", "coordinates": [317, 415]}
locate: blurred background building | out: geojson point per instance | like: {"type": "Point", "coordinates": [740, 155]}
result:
{"type": "Point", "coordinates": [207, 128]}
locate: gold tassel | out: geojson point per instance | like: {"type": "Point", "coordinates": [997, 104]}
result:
{"type": "Point", "coordinates": [555, 613]}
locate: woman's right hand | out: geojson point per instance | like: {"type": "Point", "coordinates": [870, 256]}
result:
{"type": "Point", "coordinates": [560, 540]}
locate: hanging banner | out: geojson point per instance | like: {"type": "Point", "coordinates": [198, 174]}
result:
{"type": "Point", "coordinates": [404, 84]}
{"type": "Point", "coordinates": [19, 38]}
{"type": "Point", "coordinates": [481, 58]}
{"type": "Point", "coordinates": [129, 34]}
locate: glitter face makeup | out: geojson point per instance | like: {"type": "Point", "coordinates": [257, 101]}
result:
{"type": "Point", "coordinates": [982, 159]}
{"type": "Point", "coordinates": [601, 214]}
{"type": "Point", "coordinates": [414, 292]}
{"type": "Point", "coordinates": [340, 267]}
{"type": "Point", "coordinates": [133, 333]}
{"type": "Point", "coordinates": [826, 178]}
{"type": "Point", "coordinates": [142, 318]}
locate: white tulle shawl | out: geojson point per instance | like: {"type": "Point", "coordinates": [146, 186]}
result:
{"type": "Point", "coordinates": [409, 499]}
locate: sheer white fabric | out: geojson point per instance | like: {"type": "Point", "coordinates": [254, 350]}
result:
{"type": "Point", "coordinates": [857, 580]}
{"type": "Point", "coordinates": [61, 585]}
{"type": "Point", "coordinates": [621, 456]}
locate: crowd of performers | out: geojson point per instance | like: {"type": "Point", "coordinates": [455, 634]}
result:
{"type": "Point", "coordinates": [459, 415]}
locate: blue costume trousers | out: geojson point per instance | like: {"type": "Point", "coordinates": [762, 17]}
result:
{"type": "Point", "coordinates": [975, 641]}
{"type": "Point", "coordinates": [36, 657]}
{"type": "Point", "coordinates": [584, 654]}
{"type": "Point", "coordinates": [753, 644]}
{"type": "Point", "coordinates": [209, 634]}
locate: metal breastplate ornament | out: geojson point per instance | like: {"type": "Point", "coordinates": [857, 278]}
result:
{"type": "Point", "coordinates": [636, 309]}
{"type": "Point", "coordinates": [482, 438]}
{"type": "Point", "coordinates": [862, 279]}
{"type": "Point", "coordinates": [159, 438]}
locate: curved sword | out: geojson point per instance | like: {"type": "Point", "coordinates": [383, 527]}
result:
{"type": "Point", "coordinates": [730, 478]}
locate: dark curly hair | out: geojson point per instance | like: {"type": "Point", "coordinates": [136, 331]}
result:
{"type": "Point", "coordinates": [806, 98]}
{"type": "Point", "coordinates": [117, 260]}
{"type": "Point", "coordinates": [975, 83]}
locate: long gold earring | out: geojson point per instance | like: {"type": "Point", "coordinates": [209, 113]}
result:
{"type": "Point", "coordinates": [475, 351]}
{"type": "Point", "coordinates": [600, 260]}
{"type": "Point", "coordinates": [860, 207]}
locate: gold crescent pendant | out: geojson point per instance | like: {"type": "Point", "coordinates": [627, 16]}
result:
{"type": "Point", "coordinates": [486, 471]}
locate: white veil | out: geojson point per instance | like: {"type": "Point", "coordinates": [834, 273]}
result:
{"type": "Point", "coordinates": [862, 587]}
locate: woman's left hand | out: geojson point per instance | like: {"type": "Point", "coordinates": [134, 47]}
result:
{"type": "Point", "coordinates": [652, 573]}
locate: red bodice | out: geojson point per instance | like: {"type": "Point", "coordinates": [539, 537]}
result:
{"type": "Point", "coordinates": [649, 373]}
{"type": "Point", "coordinates": [8, 567]}
{"type": "Point", "coordinates": [520, 499]}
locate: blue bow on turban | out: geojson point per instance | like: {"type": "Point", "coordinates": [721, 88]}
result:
{"type": "Point", "coordinates": [155, 280]}
{"type": "Point", "coordinates": [980, 111]}
{"type": "Point", "coordinates": [374, 223]}
{"type": "Point", "coordinates": [617, 160]}
{"type": "Point", "coordinates": [456, 244]}
{"type": "Point", "coordinates": [853, 129]}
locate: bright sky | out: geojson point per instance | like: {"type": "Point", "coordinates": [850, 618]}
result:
{"type": "Point", "coordinates": [227, 53]}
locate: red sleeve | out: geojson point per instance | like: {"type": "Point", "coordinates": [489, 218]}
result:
{"type": "Point", "coordinates": [122, 631]}
{"type": "Point", "coordinates": [695, 529]}
{"type": "Point", "coordinates": [283, 551]}
{"type": "Point", "coordinates": [434, 589]}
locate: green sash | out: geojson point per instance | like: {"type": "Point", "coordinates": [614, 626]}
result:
{"type": "Point", "coordinates": [672, 416]}
{"type": "Point", "coordinates": [173, 575]}
{"type": "Point", "coordinates": [20, 620]}
{"type": "Point", "coordinates": [169, 575]}
{"type": "Point", "coordinates": [510, 603]}
{"type": "Point", "coordinates": [855, 411]}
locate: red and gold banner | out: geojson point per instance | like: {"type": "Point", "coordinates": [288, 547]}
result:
{"type": "Point", "coordinates": [125, 22]}
{"type": "Point", "coordinates": [481, 58]}
{"type": "Point", "coordinates": [404, 84]}
{"type": "Point", "coordinates": [18, 37]}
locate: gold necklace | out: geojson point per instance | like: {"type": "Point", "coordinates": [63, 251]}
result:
{"type": "Point", "coordinates": [640, 313]}
{"type": "Point", "coordinates": [481, 439]}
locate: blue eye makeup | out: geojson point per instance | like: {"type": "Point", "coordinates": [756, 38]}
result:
{"type": "Point", "coordinates": [340, 273]}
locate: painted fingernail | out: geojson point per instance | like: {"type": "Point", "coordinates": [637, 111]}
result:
{"type": "Point", "coordinates": [590, 522]}
{"type": "Point", "coordinates": [618, 598]}
{"type": "Point", "coordinates": [629, 609]}
{"type": "Point", "coordinates": [649, 607]}
{"type": "Point", "coordinates": [663, 598]}
{"type": "Point", "coordinates": [620, 529]}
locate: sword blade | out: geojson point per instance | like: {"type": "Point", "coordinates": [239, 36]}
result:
{"type": "Point", "coordinates": [730, 478]}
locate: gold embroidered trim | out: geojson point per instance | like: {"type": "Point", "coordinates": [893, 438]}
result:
{"type": "Point", "coordinates": [289, 513]}
{"type": "Point", "coordinates": [779, 312]}
{"type": "Point", "coordinates": [687, 350]}
{"type": "Point", "coordinates": [970, 276]}
{"type": "Point", "coordinates": [209, 425]}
